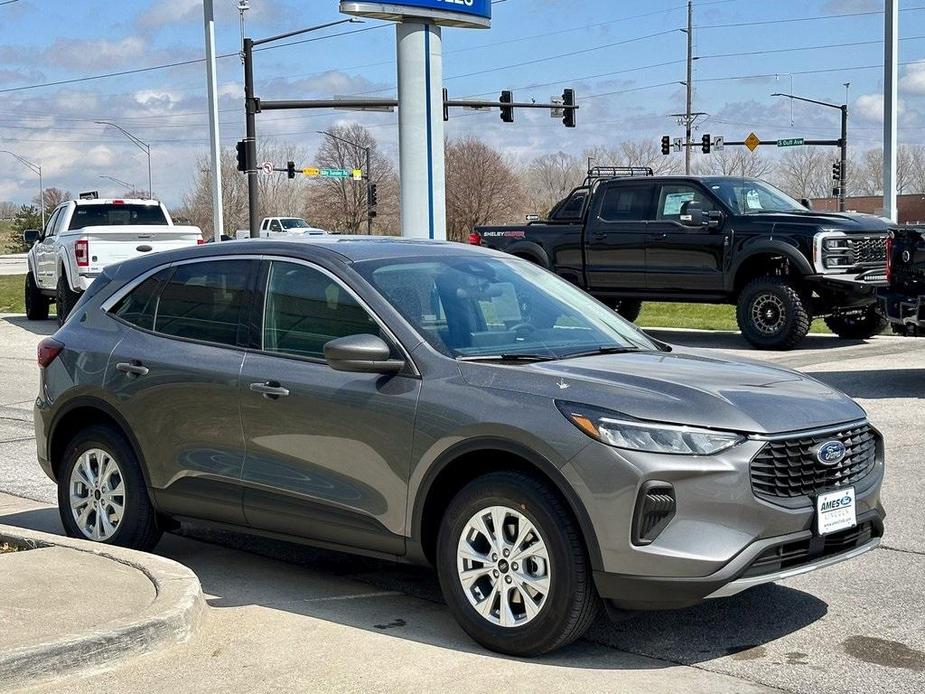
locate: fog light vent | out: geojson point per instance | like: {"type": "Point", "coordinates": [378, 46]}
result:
{"type": "Point", "coordinates": [655, 508]}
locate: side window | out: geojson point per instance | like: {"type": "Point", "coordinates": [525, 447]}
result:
{"type": "Point", "coordinates": [625, 203]}
{"type": "Point", "coordinates": [263, 224]}
{"type": "Point", "coordinates": [139, 306]}
{"type": "Point", "coordinates": [62, 218]}
{"type": "Point", "coordinates": [204, 301]}
{"type": "Point", "coordinates": [573, 206]}
{"type": "Point", "coordinates": [305, 309]}
{"type": "Point", "coordinates": [275, 226]}
{"type": "Point", "coordinates": [673, 198]}
{"type": "Point", "coordinates": [50, 224]}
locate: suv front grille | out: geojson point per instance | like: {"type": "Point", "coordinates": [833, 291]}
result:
{"type": "Point", "coordinates": [789, 468]}
{"type": "Point", "coordinates": [869, 250]}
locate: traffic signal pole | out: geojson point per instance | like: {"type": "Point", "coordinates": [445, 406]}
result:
{"type": "Point", "coordinates": [842, 193]}
{"type": "Point", "coordinates": [250, 107]}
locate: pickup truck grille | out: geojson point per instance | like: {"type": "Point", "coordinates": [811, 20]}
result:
{"type": "Point", "coordinates": [869, 250]}
{"type": "Point", "coordinates": [789, 468]}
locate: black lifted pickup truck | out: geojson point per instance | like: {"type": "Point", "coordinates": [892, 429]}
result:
{"type": "Point", "coordinates": [626, 237]}
{"type": "Point", "coordinates": [903, 302]}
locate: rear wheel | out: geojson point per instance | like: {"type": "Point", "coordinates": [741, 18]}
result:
{"type": "Point", "coordinates": [36, 303]}
{"type": "Point", "coordinates": [857, 325]}
{"type": "Point", "coordinates": [65, 298]}
{"type": "Point", "coordinates": [102, 495]}
{"type": "Point", "coordinates": [627, 308]}
{"type": "Point", "coordinates": [772, 314]}
{"type": "Point", "coordinates": [513, 567]}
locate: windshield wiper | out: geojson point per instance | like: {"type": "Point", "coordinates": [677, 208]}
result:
{"type": "Point", "coordinates": [602, 350]}
{"type": "Point", "coordinates": [510, 357]}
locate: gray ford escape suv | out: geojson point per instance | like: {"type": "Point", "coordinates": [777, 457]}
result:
{"type": "Point", "coordinates": [448, 404]}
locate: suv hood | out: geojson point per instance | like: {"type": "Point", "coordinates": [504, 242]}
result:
{"type": "Point", "coordinates": [680, 387]}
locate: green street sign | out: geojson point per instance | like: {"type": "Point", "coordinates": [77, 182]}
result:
{"type": "Point", "coordinates": [336, 173]}
{"type": "Point", "coordinates": [791, 142]}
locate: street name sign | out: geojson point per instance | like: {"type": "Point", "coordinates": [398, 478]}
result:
{"type": "Point", "coordinates": [473, 14]}
{"type": "Point", "coordinates": [790, 142]}
{"type": "Point", "coordinates": [752, 142]}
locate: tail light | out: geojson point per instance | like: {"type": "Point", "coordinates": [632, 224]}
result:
{"type": "Point", "coordinates": [889, 258]}
{"type": "Point", "coordinates": [200, 242]}
{"type": "Point", "coordinates": [48, 350]}
{"type": "Point", "coordinates": [475, 239]}
{"type": "Point", "coordinates": [82, 252]}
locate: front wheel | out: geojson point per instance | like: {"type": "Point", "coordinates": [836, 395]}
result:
{"type": "Point", "coordinates": [513, 567]}
{"type": "Point", "coordinates": [36, 302]}
{"type": "Point", "coordinates": [858, 325]}
{"type": "Point", "coordinates": [65, 298]}
{"type": "Point", "coordinates": [772, 314]}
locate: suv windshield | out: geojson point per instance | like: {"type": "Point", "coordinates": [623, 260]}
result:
{"type": "Point", "coordinates": [473, 307]}
{"type": "Point", "coordinates": [294, 223]}
{"type": "Point", "coordinates": [107, 215]}
{"type": "Point", "coordinates": [747, 196]}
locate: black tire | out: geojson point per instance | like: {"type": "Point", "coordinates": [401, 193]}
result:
{"type": "Point", "coordinates": [571, 603]}
{"type": "Point", "coordinates": [37, 304]}
{"type": "Point", "coordinates": [628, 308]}
{"type": "Point", "coordinates": [858, 326]}
{"type": "Point", "coordinates": [65, 298]}
{"type": "Point", "coordinates": [772, 314]}
{"type": "Point", "coordinates": [138, 528]}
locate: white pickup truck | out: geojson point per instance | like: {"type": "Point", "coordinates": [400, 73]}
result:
{"type": "Point", "coordinates": [82, 237]}
{"type": "Point", "coordinates": [283, 227]}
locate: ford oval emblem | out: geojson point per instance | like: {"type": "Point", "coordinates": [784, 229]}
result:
{"type": "Point", "coordinates": [831, 453]}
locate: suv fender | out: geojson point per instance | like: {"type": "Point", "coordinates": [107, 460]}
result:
{"type": "Point", "coordinates": [528, 250]}
{"type": "Point", "coordinates": [797, 260]}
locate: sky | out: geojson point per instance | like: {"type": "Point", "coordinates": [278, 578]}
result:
{"type": "Point", "coordinates": [624, 58]}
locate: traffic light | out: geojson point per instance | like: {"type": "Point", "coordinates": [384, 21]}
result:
{"type": "Point", "coordinates": [241, 148]}
{"type": "Point", "coordinates": [705, 146]}
{"type": "Point", "coordinates": [568, 100]}
{"type": "Point", "coordinates": [666, 145]}
{"type": "Point", "coordinates": [837, 172]}
{"type": "Point", "coordinates": [507, 112]}
{"type": "Point", "coordinates": [290, 169]}
{"type": "Point", "coordinates": [373, 195]}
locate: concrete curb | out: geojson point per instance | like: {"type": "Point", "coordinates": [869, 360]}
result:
{"type": "Point", "coordinates": [173, 617]}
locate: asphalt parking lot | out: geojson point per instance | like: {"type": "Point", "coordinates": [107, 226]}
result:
{"type": "Point", "coordinates": [290, 616]}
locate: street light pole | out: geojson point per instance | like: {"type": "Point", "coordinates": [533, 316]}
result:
{"type": "Point", "coordinates": [369, 173]}
{"type": "Point", "coordinates": [842, 142]}
{"type": "Point", "coordinates": [128, 186]}
{"type": "Point", "coordinates": [36, 169]}
{"type": "Point", "coordinates": [139, 143]}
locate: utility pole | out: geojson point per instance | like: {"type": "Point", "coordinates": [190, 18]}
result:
{"type": "Point", "coordinates": [36, 169]}
{"type": "Point", "coordinates": [890, 103]}
{"type": "Point", "coordinates": [218, 220]}
{"type": "Point", "coordinates": [690, 86]}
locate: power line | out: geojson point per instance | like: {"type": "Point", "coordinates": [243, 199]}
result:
{"type": "Point", "coordinates": [815, 18]}
{"type": "Point", "coordinates": [803, 48]}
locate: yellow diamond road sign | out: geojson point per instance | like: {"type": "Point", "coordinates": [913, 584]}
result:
{"type": "Point", "coordinates": [752, 142]}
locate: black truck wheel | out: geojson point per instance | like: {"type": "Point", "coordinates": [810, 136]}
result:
{"type": "Point", "coordinates": [772, 314]}
{"type": "Point", "coordinates": [65, 298]}
{"type": "Point", "coordinates": [628, 308]}
{"type": "Point", "coordinates": [859, 325]}
{"type": "Point", "coordinates": [36, 302]}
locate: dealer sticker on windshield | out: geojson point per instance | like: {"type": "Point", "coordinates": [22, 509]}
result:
{"type": "Point", "coordinates": [836, 511]}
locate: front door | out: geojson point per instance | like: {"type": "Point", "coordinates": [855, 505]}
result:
{"type": "Point", "coordinates": [328, 452]}
{"type": "Point", "coordinates": [45, 254]}
{"type": "Point", "coordinates": [681, 259]}
{"type": "Point", "coordinates": [615, 237]}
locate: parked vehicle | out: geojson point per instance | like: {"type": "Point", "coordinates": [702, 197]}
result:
{"type": "Point", "coordinates": [627, 237]}
{"type": "Point", "coordinates": [903, 302]}
{"type": "Point", "coordinates": [282, 227]}
{"type": "Point", "coordinates": [431, 402]}
{"type": "Point", "coordinates": [82, 237]}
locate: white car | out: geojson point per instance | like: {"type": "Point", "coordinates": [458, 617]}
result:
{"type": "Point", "coordinates": [83, 236]}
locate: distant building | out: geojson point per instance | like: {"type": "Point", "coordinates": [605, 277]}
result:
{"type": "Point", "coordinates": [911, 207]}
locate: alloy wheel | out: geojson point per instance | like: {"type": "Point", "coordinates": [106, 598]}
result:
{"type": "Point", "coordinates": [768, 313]}
{"type": "Point", "coordinates": [97, 494]}
{"type": "Point", "coordinates": [503, 566]}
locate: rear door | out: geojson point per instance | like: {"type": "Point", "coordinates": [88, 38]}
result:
{"type": "Point", "coordinates": [681, 259]}
{"type": "Point", "coordinates": [329, 458]}
{"type": "Point", "coordinates": [615, 237]}
{"type": "Point", "coordinates": [175, 373]}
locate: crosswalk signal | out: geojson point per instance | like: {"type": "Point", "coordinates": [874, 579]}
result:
{"type": "Point", "coordinates": [507, 112]}
{"type": "Point", "coordinates": [241, 148]}
{"type": "Point", "coordinates": [705, 144]}
{"type": "Point", "coordinates": [290, 169]}
{"type": "Point", "coordinates": [568, 100]}
{"type": "Point", "coordinates": [836, 172]}
{"type": "Point", "coordinates": [666, 145]}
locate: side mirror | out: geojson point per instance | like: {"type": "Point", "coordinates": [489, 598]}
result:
{"type": "Point", "coordinates": [807, 203]}
{"type": "Point", "coordinates": [361, 354]}
{"type": "Point", "coordinates": [30, 236]}
{"type": "Point", "coordinates": [692, 215]}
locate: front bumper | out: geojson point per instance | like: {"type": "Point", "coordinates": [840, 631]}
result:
{"type": "Point", "coordinates": [902, 309]}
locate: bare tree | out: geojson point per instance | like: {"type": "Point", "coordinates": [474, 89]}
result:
{"type": "Point", "coordinates": [805, 172]}
{"type": "Point", "coordinates": [8, 209]}
{"type": "Point", "coordinates": [481, 188]}
{"type": "Point", "coordinates": [865, 175]}
{"type": "Point", "coordinates": [733, 162]}
{"type": "Point", "coordinates": [549, 178]}
{"type": "Point", "coordinates": [637, 153]}
{"type": "Point", "coordinates": [340, 204]}
{"type": "Point", "coordinates": [52, 198]}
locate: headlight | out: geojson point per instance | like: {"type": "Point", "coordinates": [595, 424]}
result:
{"type": "Point", "coordinates": [620, 431]}
{"type": "Point", "coordinates": [837, 244]}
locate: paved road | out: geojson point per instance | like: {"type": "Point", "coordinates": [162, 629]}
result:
{"type": "Point", "coordinates": [294, 614]}
{"type": "Point", "coordinates": [13, 264]}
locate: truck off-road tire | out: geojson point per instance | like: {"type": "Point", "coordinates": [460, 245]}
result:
{"type": "Point", "coordinates": [627, 308]}
{"type": "Point", "coordinates": [102, 495]}
{"type": "Point", "coordinates": [772, 314]}
{"type": "Point", "coordinates": [513, 566]}
{"type": "Point", "coordinates": [36, 302]}
{"type": "Point", "coordinates": [65, 298]}
{"type": "Point", "coordinates": [858, 326]}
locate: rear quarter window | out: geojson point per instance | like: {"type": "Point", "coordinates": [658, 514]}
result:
{"type": "Point", "coordinates": [139, 306]}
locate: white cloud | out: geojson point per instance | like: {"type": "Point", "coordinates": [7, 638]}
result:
{"type": "Point", "coordinates": [913, 82]}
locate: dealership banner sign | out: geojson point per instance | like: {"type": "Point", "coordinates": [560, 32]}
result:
{"type": "Point", "coordinates": [458, 13]}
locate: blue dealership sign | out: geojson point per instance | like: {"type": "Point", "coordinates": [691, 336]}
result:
{"type": "Point", "coordinates": [461, 13]}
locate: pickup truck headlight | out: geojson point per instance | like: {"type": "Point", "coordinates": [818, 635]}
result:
{"type": "Point", "coordinates": [620, 431]}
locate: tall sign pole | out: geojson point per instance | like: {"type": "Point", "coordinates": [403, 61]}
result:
{"type": "Point", "coordinates": [215, 155]}
{"type": "Point", "coordinates": [890, 103]}
{"type": "Point", "coordinates": [690, 86]}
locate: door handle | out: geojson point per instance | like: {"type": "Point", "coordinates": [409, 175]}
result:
{"type": "Point", "coordinates": [271, 390]}
{"type": "Point", "coordinates": [661, 236]}
{"type": "Point", "coordinates": [599, 234]}
{"type": "Point", "coordinates": [134, 368]}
